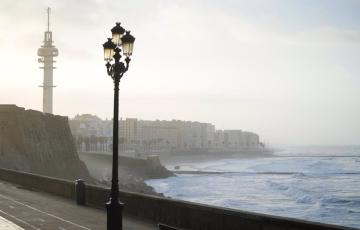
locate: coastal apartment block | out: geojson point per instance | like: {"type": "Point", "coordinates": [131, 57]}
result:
{"type": "Point", "coordinates": [94, 134]}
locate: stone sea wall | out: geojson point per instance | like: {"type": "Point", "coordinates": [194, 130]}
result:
{"type": "Point", "coordinates": [35, 142]}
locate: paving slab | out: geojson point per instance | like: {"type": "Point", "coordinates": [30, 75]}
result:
{"type": "Point", "coordinates": [41, 211]}
{"type": "Point", "coordinates": [7, 225]}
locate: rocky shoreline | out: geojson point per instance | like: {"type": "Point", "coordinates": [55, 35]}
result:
{"type": "Point", "coordinates": [133, 172]}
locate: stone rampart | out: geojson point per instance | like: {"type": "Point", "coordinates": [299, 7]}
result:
{"type": "Point", "coordinates": [40, 143]}
{"type": "Point", "coordinates": [185, 215]}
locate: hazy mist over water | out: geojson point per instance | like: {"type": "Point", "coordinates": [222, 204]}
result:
{"type": "Point", "coordinates": [311, 183]}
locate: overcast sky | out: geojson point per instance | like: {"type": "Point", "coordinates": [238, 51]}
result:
{"type": "Point", "coordinates": [285, 69]}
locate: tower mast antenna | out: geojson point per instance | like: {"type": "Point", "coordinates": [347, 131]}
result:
{"type": "Point", "coordinates": [48, 21]}
{"type": "Point", "coordinates": [47, 52]}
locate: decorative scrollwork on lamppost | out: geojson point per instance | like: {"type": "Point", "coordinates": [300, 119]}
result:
{"type": "Point", "coordinates": [112, 51]}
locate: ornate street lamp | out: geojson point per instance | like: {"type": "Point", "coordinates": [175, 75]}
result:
{"type": "Point", "coordinates": [112, 50]}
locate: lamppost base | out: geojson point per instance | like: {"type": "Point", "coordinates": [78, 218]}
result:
{"type": "Point", "coordinates": [114, 215]}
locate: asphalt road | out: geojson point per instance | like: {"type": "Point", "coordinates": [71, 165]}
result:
{"type": "Point", "coordinates": [36, 210]}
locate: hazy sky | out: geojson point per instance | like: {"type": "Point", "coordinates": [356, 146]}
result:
{"type": "Point", "coordinates": [286, 69]}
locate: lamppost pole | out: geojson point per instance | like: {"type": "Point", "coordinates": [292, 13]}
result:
{"type": "Point", "coordinates": [116, 71]}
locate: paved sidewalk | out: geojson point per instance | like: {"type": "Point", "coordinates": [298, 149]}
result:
{"type": "Point", "coordinates": [41, 211]}
{"type": "Point", "coordinates": [7, 225]}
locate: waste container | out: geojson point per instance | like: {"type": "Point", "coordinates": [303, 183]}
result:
{"type": "Point", "coordinates": [80, 191]}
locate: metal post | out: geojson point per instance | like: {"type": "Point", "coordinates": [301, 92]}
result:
{"type": "Point", "coordinates": [116, 71]}
{"type": "Point", "coordinates": [114, 207]}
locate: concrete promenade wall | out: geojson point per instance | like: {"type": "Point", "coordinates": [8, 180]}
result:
{"type": "Point", "coordinates": [59, 187]}
{"type": "Point", "coordinates": [177, 213]}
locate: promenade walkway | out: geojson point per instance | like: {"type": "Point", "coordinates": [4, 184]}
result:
{"type": "Point", "coordinates": [7, 225]}
{"type": "Point", "coordinates": [34, 210]}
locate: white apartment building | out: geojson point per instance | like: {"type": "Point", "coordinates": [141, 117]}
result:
{"type": "Point", "coordinates": [88, 125]}
{"type": "Point", "coordinates": [251, 140]}
{"type": "Point", "coordinates": [233, 139]}
{"type": "Point", "coordinates": [92, 134]}
{"type": "Point", "coordinates": [159, 134]}
{"type": "Point", "coordinates": [218, 139]}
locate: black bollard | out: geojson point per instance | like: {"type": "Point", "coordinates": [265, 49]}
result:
{"type": "Point", "coordinates": [80, 192]}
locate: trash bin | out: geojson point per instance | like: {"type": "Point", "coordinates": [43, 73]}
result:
{"type": "Point", "coordinates": [80, 191]}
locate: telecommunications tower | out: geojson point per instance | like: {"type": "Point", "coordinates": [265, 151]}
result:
{"type": "Point", "coordinates": [46, 54]}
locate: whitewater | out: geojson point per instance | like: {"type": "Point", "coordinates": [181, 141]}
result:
{"type": "Point", "coordinates": [312, 183]}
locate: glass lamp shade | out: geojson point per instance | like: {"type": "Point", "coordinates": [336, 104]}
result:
{"type": "Point", "coordinates": [108, 54]}
{"type": "Point", "coordinates": [127, 43]}
{"type": "Point", "coordinates": [116, 39]}
{"type": "Point", "coordinates": [117, 32]}
{"type": "Point", "coordinates": [109, 47]}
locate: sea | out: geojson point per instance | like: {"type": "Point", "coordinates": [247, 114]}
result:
{"type": "Point", "coordinates": [316, 183]}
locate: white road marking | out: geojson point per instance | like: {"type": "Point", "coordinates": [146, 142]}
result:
{"type": "Point", "coordinates": [35, 209]}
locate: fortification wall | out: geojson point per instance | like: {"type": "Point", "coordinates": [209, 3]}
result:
{"type": "Point", "coordinates": [40, 143]}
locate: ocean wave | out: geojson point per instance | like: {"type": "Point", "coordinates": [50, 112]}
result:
{"type": "Point", "coordinates": [305, 199]}
{"type": "Point", "coordinates": [278, 186]}
{"type": "Point", "coordinates": [341, 201]}
{"type": "Point", "coordinates": [300, 196]}
{"type": "Point", "coordinates": [353, 211]}
{"type": "Point", "coordinates": [322, 189]}
{"type": "Point", "coordinates": [297, 175]}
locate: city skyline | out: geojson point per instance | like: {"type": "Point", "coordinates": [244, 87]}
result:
{"type": "Point", "coordinates": [166, 136]}
{"type": "Point", "coordinates": [282, 69]}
